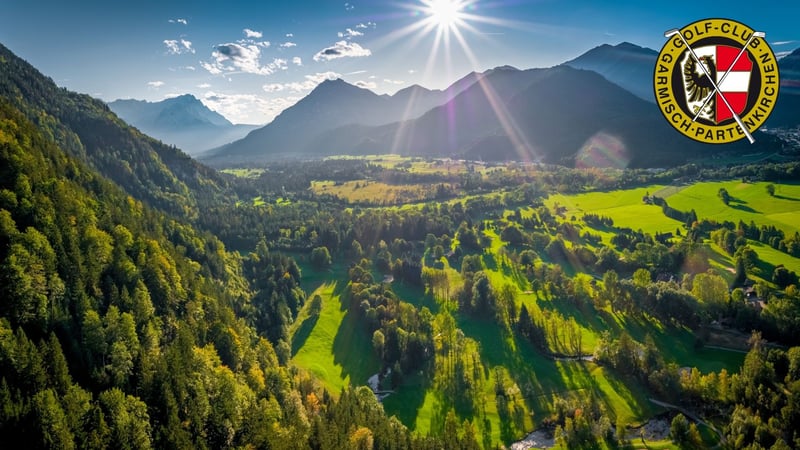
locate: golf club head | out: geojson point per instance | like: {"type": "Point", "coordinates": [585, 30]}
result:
{"type": "Point", "coordinates": [672, 32]}
{"type": "Point", "coordinates": [759, 34]}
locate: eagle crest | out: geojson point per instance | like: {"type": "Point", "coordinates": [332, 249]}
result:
{"type": "Point", "coordinates": [698, 86]}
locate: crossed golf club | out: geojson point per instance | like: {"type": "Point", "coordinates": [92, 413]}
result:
{"type": "Point", "coordinates": [761, 34]}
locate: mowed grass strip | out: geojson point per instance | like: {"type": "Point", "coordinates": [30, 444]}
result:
{"type": "Point", "coordinates": [333, 346]}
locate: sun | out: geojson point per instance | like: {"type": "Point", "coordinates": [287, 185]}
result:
{"type": "Point", "coordinates": [444, 14]}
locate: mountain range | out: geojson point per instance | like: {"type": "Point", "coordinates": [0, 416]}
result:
{"type": "Point", "coordinates": [182, 121]}
{"type": "Point", "coordinates": [593, 109]}
{"type": "Point", "coordinates": [599, 99]}
{"type": "Point", "coordinates": [333, 104]}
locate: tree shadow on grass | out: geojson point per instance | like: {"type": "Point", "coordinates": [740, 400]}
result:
{"type": "Point", "coordinates": [743, 207]}
{"type": "Point", "coordinates": [783, 197]}
{"type": "Point", "coordinates": [303, 332]}
{"type": "Point", "coordinates": [352, 350]}
{"type": "Point", "coordinates": [586, 316]}
{"type": "Point", "coordinates": [416, 295]}
{"type": "Point", "coordinates": [513, 271]}
{"type": "Point", "coordinates": [532, 372]}
{"type": "Point", "coordinates": [407, 400]}
{"type": "Point", "coordinates": [623, 389]}
{"type": "Point", "coordinates": [490, 261]}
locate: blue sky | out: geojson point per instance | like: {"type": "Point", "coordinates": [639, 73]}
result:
{"type": "Point", "coordinates": [251, 59]}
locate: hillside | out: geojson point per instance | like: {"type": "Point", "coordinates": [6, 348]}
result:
{"type": "Point", "coordinates": [158, 174]}
{"type": "Point", "coordinates": [626, 65]}
{"type": "Point", "coordinates": [182, 121]}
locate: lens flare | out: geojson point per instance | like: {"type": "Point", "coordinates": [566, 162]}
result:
{"type": "Point", "coordinates": [449, 23]}
{"type": "Point", "coordinates": [602, 151]}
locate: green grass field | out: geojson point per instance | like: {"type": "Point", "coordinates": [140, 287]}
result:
{"type": "Point", "coordinates": [244, 173]}
{"type": "Point", "coordinates": [749, 201]}
{"type": "Point", "coordinates": [334, 347]}
{"type": "Point", "coordinates": [372, 191]}
{"type": "Point", "coordinates": [624, 207]}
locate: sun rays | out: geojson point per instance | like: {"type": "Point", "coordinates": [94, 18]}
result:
{"type": "Point", "coordinates": [451, 23]}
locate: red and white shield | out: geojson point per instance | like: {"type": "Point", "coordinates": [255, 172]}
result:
{"type": "Point", "coordinates": [735, 85]}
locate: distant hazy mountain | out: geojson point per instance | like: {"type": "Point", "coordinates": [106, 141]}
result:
{"type": "Point", "coordinates": [444, 130]}
{"type": "Point", "coordinates": [332, 104]}
{"type": "Point", "coordinates": [182, 121]}
{"type": "Point", "coordinates": [558, 115]}
{"type": "Point", "coordinates": [787, 110]}
{"type": "Point", "coordinates": [625, 64]}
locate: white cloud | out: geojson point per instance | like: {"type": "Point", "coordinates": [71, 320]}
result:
{"type": "Point", "coordinates": [363, 25]}
{"type": "Point", "coordinates": [274, 87]}
{"type": "Point", "coordinates": [319, 77]}
{"type": "Point", "coordinates": [411, 71]}
{"type": "Point", "coordinates": [181, 21]}
{"type": "Point", "coordinates": [310, 82]}
{"type": "Point", "coordinates": [247, 108]}
{"type": "Point", "coordinates": [252, 33]}
{"type": "Point", "coordinates": [241, 57]}
{"type": "Point", "coordinates": [298, 61]}
{"type": "Point", "coordinates": [386, 80]}
{"type": "Point", "coordinates": [204, 86]}
{"type": "Point", "coordinates": [350, 33]}
{"type": "Point", "coordinates": [155, 84]}
{"type": "Point", "coordinates": [780, 55]}
{"type": "Point", "coordinates": [357, 72]}
{"type": "Point", "coordinates": [264, 44]}
{"type": "Point", "coordinates": [349, 6]}
{"type": "Point", "coordinates": [288, 45]}
{"type": "Point", "coordinates": [280, 63]}
{"type": "Point", "coordinates": [366, 84]}
{"type": "Point", "coordinates": [341, 49]}
{"type": "Point", "coordinates": [289, 35]}
{"type": "Point", "coordinates": [783, 42]}
{"type": "Point", "coordinates": [212, 68]}
{"type": "Point", "coordinates": [178, 46]}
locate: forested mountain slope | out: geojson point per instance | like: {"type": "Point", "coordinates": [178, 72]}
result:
{"type": "Point", "coordinates": [123, 327]}
{"type": "Point", "coordinates": [84, 127]}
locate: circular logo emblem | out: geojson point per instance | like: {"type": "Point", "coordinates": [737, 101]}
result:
{"type": "Point", "coordinates": [716, 80]}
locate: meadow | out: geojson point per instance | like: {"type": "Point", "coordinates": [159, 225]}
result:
{"type": "Point", "coordinates": [749, 202]}
{"type": "Point", "coordinates": [368, 191]}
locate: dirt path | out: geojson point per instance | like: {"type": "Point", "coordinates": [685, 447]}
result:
{"type": "Point", "coordinates": [690, 415]}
